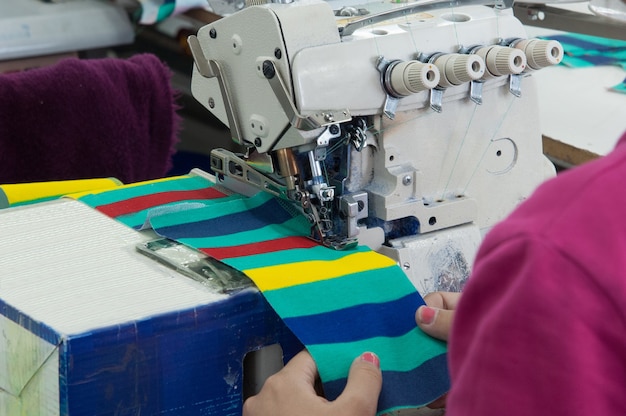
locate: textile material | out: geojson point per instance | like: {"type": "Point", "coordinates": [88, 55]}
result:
{"type": "Point", "coordinates": [134, 205]}
{"type": "Point", "coordinates": [584, 50]}
{"type": "Point", "coordinates": [83, 119]}
{"type": "Point", "coordinates": [30, 193]}
{"type": "Point", "coordinates": [338, 303]}
{"type": "Point", "coordinates": [154, 11]}
{"type": "Point", "coordinates": [532, 334]}
{"type": "Point", "coordinates": [620, 87]}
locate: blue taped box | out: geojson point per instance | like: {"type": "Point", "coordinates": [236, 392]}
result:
{"type": "Point", "coordinates": [91, 327]}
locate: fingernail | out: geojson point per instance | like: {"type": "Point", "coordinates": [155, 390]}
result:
{"type": "Point", "coordinates": [372, 358]}
{"type": "Point", "coordinates": [427, 315]}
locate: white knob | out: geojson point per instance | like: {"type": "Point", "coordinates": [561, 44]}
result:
{"type": "Point", "coordinates": [411, 77]}
{"type": "Point", "coordinates": [502, 60]}
{"type": "Point", "coordinates": [458, 68]}
{"type": "Point", "coordinates": [541, 53]}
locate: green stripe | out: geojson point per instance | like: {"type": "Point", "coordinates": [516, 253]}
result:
{"type": "Point", "coordinates": [138, 218]}
{"type": "Point", "coordinates": [295, 255]}
{"type": "Point", "coordinates": [127, 192]}
{"type": "Point", "coordinates": [297, 225]}
{"type": "Point", "coordinates": [335, 359]}
{"type": "Point", "coordinates": [225, 208]}
{"type": "Point", "coordinates": [331, 295]}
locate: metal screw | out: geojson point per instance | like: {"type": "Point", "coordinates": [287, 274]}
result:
{"type": "Point", "coordinates": [334, 129]}
{"type": "Point", "coordinates": [407, 180]}
{"type": "Point", "coordinates": [211, 102]}
{"type": "Point", "coordinates": [278, 53]}
{"type": "Point", "coordinates": [268, 70]}
{"type": "Point", "coordinates": [213, 33]}
{"type": "Point", "coordinates": [258, 142]}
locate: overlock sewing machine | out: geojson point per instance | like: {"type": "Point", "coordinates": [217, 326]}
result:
{"type": "Point", "coordinates": [412, 129]}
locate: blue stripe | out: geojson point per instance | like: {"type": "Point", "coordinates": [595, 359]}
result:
{"type": "Point", "coordinates": [406, 389]}
{"type": "Point", "coordinates": [138, 218]}
{"type": "Point", "coordinates": [271, 212]}
{"type": "Point", "coordinates": [348, 325]}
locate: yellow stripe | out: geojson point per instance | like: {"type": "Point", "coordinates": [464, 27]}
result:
{"type": "Point", "coordinates": [23, 192]}
{"type": "Point", "coordinates": [132, 185]}
{"type": "Point", "coordinates": [292, 274]}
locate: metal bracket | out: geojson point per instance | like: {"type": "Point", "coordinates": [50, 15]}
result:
{"type": "Point", "coordinates": [354, 207]}
{"type": "Point", "coordinates": [391, 101]}
{"type": "Point", "coordinates": [436, 99]}
{"type": "Point", "coordinates": [540, 15]}
{"type": "Point", "coordinates": [298, 121]}
{"type": "Point", "coordinates": [476, 91]}
{"type": "Point", "coordinates": [515, 84]}
{"type": "Point", "coordinates": [417, 7]}
{"type": "Point", "coordinates": [228, 164]}
{"type": "Point", "coordinates": [212, 69]}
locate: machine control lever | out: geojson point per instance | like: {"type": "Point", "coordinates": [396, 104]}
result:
{"type": "Point", "coordinates": [212, 69]}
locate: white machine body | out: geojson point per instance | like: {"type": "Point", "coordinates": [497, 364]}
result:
{"type": "Point", "coordinates": [413, 135]}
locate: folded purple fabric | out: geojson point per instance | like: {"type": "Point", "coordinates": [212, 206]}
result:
{"type": "Point", "coordinates": [87, 119]}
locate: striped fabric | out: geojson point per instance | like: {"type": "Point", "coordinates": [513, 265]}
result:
{"type": "Point", "coordinates": [12, 195]}
{"type": "Point", "coordinates": [338, 303]}
{"type": "Point", "coordinates": [133, 205]}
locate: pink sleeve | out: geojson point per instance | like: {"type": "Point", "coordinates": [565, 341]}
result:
{"type": "Point", "coordinates": [534, 334]}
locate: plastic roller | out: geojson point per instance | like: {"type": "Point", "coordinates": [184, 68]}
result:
{"type": "Point", "coordinates": [411, 77]}
{"type": "Point", "coordinates": [540, 53]}
{"type": "Point", "coordinates": [456, 68]}
{"type": "Point", "coordinates": [502, 60]}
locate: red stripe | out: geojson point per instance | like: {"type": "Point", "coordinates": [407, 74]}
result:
{"type": "Point", "coordinates": [262, 247]}
{"type": "Point", "coordinates": [129, 206]}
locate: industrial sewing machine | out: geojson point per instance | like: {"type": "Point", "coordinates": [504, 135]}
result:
{"type": "Point", "coordinates": [412, 129]}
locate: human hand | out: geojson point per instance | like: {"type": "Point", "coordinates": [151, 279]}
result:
{"type": "Point", "coordinates": [436, 318]}
{"type": "Point", "coordinates": [291, 391]}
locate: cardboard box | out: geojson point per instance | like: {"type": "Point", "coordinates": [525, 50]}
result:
{"type": "Point", "coordinates": [88, 326]}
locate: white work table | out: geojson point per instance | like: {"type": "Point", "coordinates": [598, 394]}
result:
{"type": "Point", "coordinates": [581, 118]}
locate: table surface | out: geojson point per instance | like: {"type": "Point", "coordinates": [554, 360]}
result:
{"type": "Point", "coordinates": [581, 118]}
